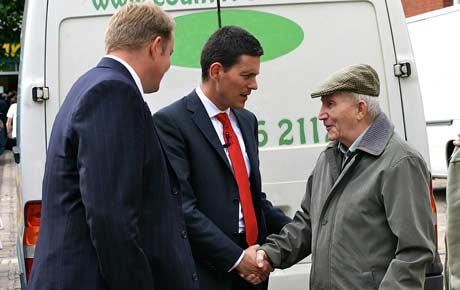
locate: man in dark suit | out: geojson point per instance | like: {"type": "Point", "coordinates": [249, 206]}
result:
{"type": "Point", "coordinates": [111, 215]}
{"type": "Point", "coordinates": [211, 142]}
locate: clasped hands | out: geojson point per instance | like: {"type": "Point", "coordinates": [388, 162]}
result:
{"type": "Point", "coordinates": [255, 266]}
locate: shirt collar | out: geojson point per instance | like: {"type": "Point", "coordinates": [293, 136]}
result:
{"type": "Point", "coordinates": [211, 109]}
{"type": "Point", "coordinates": [347, 151]}
{"type": "Point", "coordinates": [131, 71]}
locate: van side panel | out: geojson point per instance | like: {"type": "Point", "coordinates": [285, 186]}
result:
{"type": "Point", "coordinates": [411, 102]}
{"type": "Point", "coordinates": [288, 123]}
{"type": "Point", "coordinates": [436, 47]}
{"type": "Point", "coordinates": [32, 141]}
{"type": "Point", "coordinates": [31, 116]}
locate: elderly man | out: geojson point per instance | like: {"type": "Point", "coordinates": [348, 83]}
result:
{"type": "Point", "coordinates": [366, 216]}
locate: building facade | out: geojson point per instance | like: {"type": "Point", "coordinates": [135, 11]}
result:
{"type": "Point", "coordinates": [415, 7]}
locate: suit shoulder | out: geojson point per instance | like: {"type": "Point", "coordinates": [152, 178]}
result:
{"type": "Point", "coordinates": [246, 115]}
{"type": "Point", "coordinates": [93, 90]}
{"type": "Point", "coordinates": [107, 76]}
{"type": "Point", "coordinates": [180, 108]}
{"type": "Point", "coordinates": [104, 81]}
{"type": "Point", "coordinates": [172, 109]}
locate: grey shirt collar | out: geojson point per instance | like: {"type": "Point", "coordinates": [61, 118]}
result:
{"type": "Point", "coordinates": [349, 152]}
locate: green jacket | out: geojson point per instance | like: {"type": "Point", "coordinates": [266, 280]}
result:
{"type": "Point", "coordinates": [453, 222]}
{"type": "Point", "coordinates": [367, 227]}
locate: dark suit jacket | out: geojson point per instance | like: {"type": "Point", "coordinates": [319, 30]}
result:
{"type": "Point", "coordinates": [210, 191]}
{"type": "Point", "coordinates": [111, 217]}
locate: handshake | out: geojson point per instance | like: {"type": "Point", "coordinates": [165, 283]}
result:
{"type": "Point", "coordinates": [255, 266]}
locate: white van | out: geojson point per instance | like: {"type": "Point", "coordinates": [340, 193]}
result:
{"type": "Point", "coordinates": [436, 46]}
{"type": "Point", "coordinates": [304, 41]}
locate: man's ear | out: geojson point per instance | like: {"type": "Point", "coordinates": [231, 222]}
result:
{"type": "Point", "coordinates": [362, 110]}
{"type": "Point", "coordinates": [214, 70]}
{"type": "Point", "coordinates": [156, 46]}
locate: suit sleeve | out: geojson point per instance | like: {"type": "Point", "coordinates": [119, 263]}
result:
{"type": "Point", "coordinates": [293, 243]}
{"type": "Point", "coordinates": [109, 130]}
{"type": "Point", "coordinates": [408, 209]}
{"type": "Point", "coordinates": [275, 219]}
{"type": "Point", "coordinates": [209, 243]}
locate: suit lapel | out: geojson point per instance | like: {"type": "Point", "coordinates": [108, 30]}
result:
{"type": "Point", "coordinates": [203, 122]}
{"type": "Point", "coordinates": [248, 137]}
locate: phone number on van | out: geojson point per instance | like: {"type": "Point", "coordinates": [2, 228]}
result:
{"type": "Point", "coordinates": [293, 132]}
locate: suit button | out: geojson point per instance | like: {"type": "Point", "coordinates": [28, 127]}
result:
{"type": "Point", "coordinates": [236, 201]}
{"type": "Point", "coordinates": [235, 234]}
{"type": "Point", "coordinates": [184, 234]}
{"type": "Point", "coordinates": [195, 277]}
{"type": "Point", "coordinates": [174, 190]}
{"type": "Point", "coordinates": [324, 222]}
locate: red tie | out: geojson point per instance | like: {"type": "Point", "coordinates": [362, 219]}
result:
{"type": "Point", "coordinates": [241, 176]}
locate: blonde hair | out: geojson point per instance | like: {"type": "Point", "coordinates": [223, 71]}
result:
{"type": "Point", "coordinates": [134, 25]}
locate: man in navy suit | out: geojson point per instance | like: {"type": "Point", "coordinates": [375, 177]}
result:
{"type": "Point", "coordinates": [111, 215]}
{"type": "Point", "coordinates": [211, 142]}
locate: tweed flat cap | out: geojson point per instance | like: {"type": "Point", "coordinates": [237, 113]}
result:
{"type": "Point", "coordinates": [356, 78]}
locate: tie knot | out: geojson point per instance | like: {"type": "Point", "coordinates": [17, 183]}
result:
{"type": "Point", "coordinates": [223, 118]}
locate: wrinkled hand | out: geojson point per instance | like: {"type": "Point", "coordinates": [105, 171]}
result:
{"type": "Point", "coordinates": [264, 265]}
{"type": "Point", "coordinates": [248, 268]}
{"type": "Point", "coordinates": [263, 262]}
{"type": "Point", "coordinates": [457, 142]}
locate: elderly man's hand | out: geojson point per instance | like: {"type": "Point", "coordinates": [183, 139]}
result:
{"type": "Point", "coordinates": [248, 268]}
{"type": "Point", "coordinates": [264, 265]}
{"type": "Point", "coordinates": [263, 262]}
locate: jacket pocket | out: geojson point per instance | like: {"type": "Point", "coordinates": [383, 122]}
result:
{"type": "Point", "coordinates": [372, 279]}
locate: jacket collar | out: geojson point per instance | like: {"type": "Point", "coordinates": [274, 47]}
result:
{"type": "Point", "coordinates": [201, 118]}
{"type": "Point", "coordinates": [376, 137]}
{"type": "Point", "coordinates": [131, 70]}
{"type": "Point", "coordinates": [203, 122]}
{"type": "Point", "coordinates": [115, 65]}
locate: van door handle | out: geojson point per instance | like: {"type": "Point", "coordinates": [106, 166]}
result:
{"type": "Point", "coordinates": [402, 69]}
{"type": "Point", "coordinates": [40, 94]}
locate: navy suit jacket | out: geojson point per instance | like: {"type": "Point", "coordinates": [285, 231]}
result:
{"type": "Point", "coordinates": [210, 191]}
{"type": "Point", "coordinates": [111, 215]}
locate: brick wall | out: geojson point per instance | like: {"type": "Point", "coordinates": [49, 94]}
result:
{"type": "Point", "coordinates": [415, 7]}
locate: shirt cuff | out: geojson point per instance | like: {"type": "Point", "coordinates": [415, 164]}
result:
{"type": "Point", "coordinates": [237, 262]}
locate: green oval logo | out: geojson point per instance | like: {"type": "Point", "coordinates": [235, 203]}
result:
{"type": "Point", "coordinates": [277, 35]}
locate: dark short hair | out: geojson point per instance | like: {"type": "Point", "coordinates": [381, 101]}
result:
{"type": "Point", "coordinates": [225, 46]}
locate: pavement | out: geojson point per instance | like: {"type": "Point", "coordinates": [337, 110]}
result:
{"type": "Point", "coordinates": [439, 190]}
{"type": "Point", "coordinates": [9, 272]}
